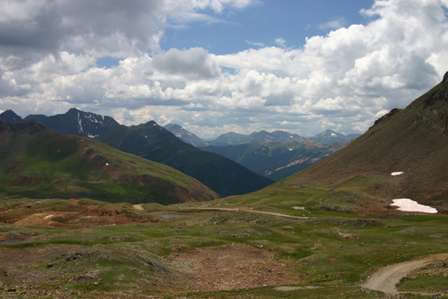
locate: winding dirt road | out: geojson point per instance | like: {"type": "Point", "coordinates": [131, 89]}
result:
{"type": "Point", "coordinates": [245, 210]}
{"type": "Point", "coordinates": [386, 279]}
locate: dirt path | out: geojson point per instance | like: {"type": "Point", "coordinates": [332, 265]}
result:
{"type": "Point", "coordinates": [245, 210]}
{"type": "Point", "coordinates": [386, 279]}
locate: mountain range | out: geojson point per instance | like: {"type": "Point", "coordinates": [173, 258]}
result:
{"type": "Point", "coordinates": [36, 162]}
{"type": "Point", "coordinates": [275, 155]}
{"type": "Point", "coordinates": [333, 138]}
{"type": "Point", "coordinates": [153, 142]}
{"type": "Point", "coordinates": [327, 137]}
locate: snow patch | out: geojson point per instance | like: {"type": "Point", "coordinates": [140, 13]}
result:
{"type": "Point", "coordinates": [293, 163]}
{"type": "Point", "coordinates": [92, 136]}
{"type": "Point", "coordinates": [397, 173]}
{"type": "Point", "coordinates": [409, 205]}
{"type": "Point", "coordinates": [107, 164]}
{"type": "Point", "coordinates": [299, 208]}
{"type": "Point", "coordinates": [80, 127]}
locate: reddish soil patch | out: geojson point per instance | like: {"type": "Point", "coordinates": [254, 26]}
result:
{"type": "Point", "coordinates": [47, 219]}
{"type": "Point", "coordinates": [232, 267]}
{"type": "Point", "coordinates": [73, 214]}
{"type": "Point", "coordinates": [91, 217]}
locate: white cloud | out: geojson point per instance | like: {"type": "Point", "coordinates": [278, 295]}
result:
{"type": "Point", "coordinates": [343, 80]}
{"type": "Point", "coordinates": [100, 27]}
{"type": "Point", "coordinates": [281, 42]}
{"type": "Point", "coordinates": [194, 63]}
{"type": "Point", "coordinates": [333, 24]}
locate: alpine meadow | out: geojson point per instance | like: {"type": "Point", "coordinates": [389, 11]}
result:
{"type": "Point", "coordinates": [223, 149]}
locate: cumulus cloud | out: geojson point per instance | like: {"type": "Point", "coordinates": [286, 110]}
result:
{"type": "Point", "coordinates": [343, 80]}
{"type": "Point", "coordinates": [102, 27]}
{"type": "Point", "coordinates": [112, 27]}
{"type": "Point", "coordinates": [194, 63]}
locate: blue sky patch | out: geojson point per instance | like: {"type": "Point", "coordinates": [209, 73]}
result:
{"type": "Point", "coordinates": [266, 22]}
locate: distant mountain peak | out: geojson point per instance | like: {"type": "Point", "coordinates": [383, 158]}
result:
{"type": "Point", "coordinates": [445, 78]}
{"type": "Point", "coordinates": [151, 123]}
{"type": "Point", "coordinates": [89, 115]}
{"type": "Point", "coordinates": [75, 121]}
{"type": "Point", "coordinates": [185, 135]}
{"type": "Point", "coordinates": [10, 117]}
{"type": "Point", "coordinates": [9, 111]}
{"type": "Point", "coordinates": [73, 110]}
{"type": "Point", "coordinates": [331, 137]}
{"type": "Point", "coordinates": [330, 132]}
{"type": "Point", "coordinates": [263, 136]}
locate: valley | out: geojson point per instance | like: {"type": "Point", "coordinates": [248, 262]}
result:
{"type": "Point", "coordinates": [358, 227]}
{"type": "Point", "coordinates": [223, 149]}
{"type": "Point", "coordinates": [326, 232]}
{"type": "Point", "coordinates": [275, 155]}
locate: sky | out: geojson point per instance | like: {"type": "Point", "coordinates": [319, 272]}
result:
{"type": "Point", "coordinates": [215, 66]}
{"type": "Point", "coordinates": [266, 21]}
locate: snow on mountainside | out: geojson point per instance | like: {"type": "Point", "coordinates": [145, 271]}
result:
{"type": "Point", "coordinates": [75, 121]}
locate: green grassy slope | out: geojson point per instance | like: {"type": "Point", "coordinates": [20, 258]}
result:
{"type": "Point", "coordinates": [38, 163]}
{"type": "Point", "coordinates": [413, 140]}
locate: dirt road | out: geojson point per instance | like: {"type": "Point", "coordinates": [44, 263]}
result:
{"type": "Point", "coordinates": [386, 279]}
{"type": "Point", "coordinates": [245, 210]}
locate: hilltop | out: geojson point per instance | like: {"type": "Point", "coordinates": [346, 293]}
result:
{"type": "Point", "coordinates": [10, 117]}
{"type": "Point", "coordinates": [38, 163]}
